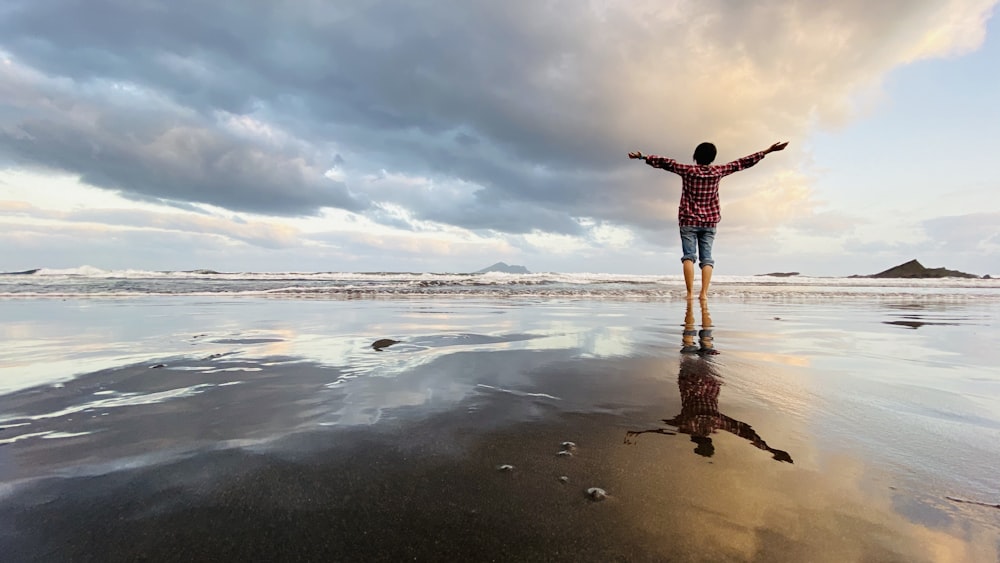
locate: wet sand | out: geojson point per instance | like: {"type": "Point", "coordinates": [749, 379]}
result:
{"type": "Point", "coordinates": [189, 429]}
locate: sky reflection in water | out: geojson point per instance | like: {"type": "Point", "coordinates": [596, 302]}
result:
{"type": "Point", "coordinates": [870, 411]}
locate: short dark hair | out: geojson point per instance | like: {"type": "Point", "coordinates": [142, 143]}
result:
{"type": "Point", "coordinates": [704, 153]}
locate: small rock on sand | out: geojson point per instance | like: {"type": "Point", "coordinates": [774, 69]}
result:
{"type": "Point", "coordinates": [381, 343]}
{"type": "Point", "coordinates": [597, 493]}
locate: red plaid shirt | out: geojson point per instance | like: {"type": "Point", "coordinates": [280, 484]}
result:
{"type": "Point", "coordinates": [700, 189]}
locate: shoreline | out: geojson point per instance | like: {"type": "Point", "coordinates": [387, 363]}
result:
{"type": "Point", "coordinates": [273, 429]}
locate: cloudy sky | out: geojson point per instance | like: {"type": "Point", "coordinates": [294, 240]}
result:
{"type": "Point", "coordinates": [446, 135]}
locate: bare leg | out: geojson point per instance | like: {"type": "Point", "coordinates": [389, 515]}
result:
{"type": "Point", "coordinates": [689, 278]}
{"type": "Point", "coordinates": [706, 280]}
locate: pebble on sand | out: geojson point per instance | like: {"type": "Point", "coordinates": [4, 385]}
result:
{"type": "Point", "coordinates": [597, 493]}
{"type": "Point", "coordinates": [381, 343]}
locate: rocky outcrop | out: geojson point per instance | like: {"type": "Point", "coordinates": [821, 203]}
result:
{"type": "Point", "coordinates": [914, 269]}
{"type": "Point", "coordinates": [504, 268]}
{"type": "Point", "coordinates": [383, 343]}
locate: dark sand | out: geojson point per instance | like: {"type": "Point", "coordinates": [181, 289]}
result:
{"type": "Point", "coordinates": [838, 435]}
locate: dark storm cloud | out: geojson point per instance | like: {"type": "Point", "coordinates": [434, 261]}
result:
{"type": "Point", "coordinates": [131, 140]}
{"type": "Point", "coordinates": [179, 164]}
{"type": "Point", "coordinates": [447, 89]}
{"type": "Point", "coordinates": [386, 66]}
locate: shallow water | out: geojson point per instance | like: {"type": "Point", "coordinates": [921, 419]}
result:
{"type": "Point", "coordinates": [840, 428]}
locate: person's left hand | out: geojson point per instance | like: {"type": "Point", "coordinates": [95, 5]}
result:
{"type": "Point", "coordinates": [635, 154]}
{"type": "Point", "coordinates": [776, 147]}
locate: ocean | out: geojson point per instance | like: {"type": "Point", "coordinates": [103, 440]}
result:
{"type": "Point", "coordinates": [93, 282]}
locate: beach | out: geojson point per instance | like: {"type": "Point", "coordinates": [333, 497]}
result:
{"type": "Point", "coordinates": [781, 426]}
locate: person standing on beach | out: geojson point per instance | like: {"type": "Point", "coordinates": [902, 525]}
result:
{"type": "Point", "coordinates": [699, 211]}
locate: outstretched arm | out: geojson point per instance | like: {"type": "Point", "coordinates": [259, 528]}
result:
{"type": "Point", "coordinates": [776, 147]}
{"type": "Point", "coordinates": [668, 164]}
{"type": "Point", "coordinates": [750, 160]}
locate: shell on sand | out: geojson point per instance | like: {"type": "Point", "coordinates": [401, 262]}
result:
{"type": "Point", "coordinates": [505, 467]}
{"type": "Point", "coordinates": [597, 493]}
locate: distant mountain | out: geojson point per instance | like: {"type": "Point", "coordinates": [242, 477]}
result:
{"type": "Point", "coordinates": [914, 269]}
{"type": "Point", "coordinates": [504, 268]}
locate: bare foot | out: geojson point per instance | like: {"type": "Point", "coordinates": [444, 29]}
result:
{"type": "Point", "coordinates": [702, 297]}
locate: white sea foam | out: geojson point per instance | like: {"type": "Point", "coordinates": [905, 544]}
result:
{"type": "Point", "coordinates": [87, 281]}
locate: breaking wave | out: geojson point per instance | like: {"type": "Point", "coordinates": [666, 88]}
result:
{"type": "Point", "coordinates": [88, 281]}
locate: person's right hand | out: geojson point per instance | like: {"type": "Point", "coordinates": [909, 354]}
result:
{"type": "Point", "coordinates": [776, 147]}
{"type": "Point", "coordinates": [636, 154]}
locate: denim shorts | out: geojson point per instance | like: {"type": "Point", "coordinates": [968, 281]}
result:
{"type": "Point", "coordinates": [697, 242]}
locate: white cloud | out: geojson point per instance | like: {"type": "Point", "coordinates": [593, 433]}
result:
{"type": "Point", "coordinates": [612, 236]}
{"type": "Point", "coordinates": [557, 244]}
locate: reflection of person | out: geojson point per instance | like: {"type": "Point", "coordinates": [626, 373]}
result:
{"type": "Point", "coordinates": [699, 211]}
{"type": "Point", "coordinates": [705, 339]}
{"type": "Point", "coordinates": [699, 385]}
